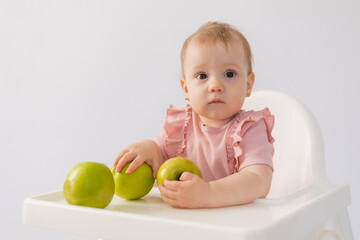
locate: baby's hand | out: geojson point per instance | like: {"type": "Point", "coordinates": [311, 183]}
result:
{"type": "Point", "coordinates": [190, 192]}
{"type": "Point", "coordinates": [140, 152]}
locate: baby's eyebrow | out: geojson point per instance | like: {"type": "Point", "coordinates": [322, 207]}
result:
{"type": "Point", "coordinates": [232, 65]}
{"type": "Point", "coordinates": [198, 67]}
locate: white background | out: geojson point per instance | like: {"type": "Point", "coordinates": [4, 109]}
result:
{"type": "Point", "coordinates": [79, 80]}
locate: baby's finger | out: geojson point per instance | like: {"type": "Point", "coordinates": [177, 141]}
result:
{"type": "Point", "coordinates": [119, 156]}
{"type": "Point", "coordinates": [167, 193]}
{"type": "Point", "coordinates": [128, 157]}
{"type": "Point", "coordinates": [136, 162]}
{"type": "Point", "coordinates": [154, 174]}
{"type": "Point", "coordinates": [172, 185]}
{"type": "Point", "coordinates": [155, 170]}
{"type": "Point", "coordinates": [167, 200]}
{"type": "Point", "coordinates": [185, 176]}
{"type": "Point", "coordinates": [173, 202]}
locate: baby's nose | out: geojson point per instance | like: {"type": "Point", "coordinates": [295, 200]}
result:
{"type": "Point", "coordinates": [215, 86]}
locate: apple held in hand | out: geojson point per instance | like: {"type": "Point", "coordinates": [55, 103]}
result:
{"type": "Point", "coordinates": [133, 185]}
{"type": "Point", "coordinates": [89, 184]}
{"type": "Point", "coordinates": [173, 168]}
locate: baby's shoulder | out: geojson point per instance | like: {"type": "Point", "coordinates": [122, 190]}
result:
{"type": "Point", "coordinates": [178, 114]}
{"type": "Point", "coordinates": [254, 115]}
{"type": "Point", "coordinates": [172, 110]}
{"type": "Point", "coordinates": [177, 118]}
{"type": "Point", "coordinates": [252, 119]}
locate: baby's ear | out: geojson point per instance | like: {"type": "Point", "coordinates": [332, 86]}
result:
{"type": "Point", "coordinates": [250, 83]}
{"type": "Point", "coordinates": [184, 86]}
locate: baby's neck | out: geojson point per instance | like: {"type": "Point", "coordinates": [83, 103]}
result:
{"type": "Point", "coordinates": [215, 123]}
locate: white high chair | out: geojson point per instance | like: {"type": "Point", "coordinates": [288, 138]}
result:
{"type": "Point", "coordinates": [299, 164]}
{"type": "Point", "coordinates": [301, 203]}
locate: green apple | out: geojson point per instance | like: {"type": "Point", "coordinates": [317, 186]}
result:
{"type": "Point", "coordinates": [89, 184]}
{"type": "Point", "coordinates": [135, 184]}
{"type": "Point", "coordinates": [173, 168]}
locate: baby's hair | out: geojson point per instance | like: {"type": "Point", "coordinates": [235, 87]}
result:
{"type": "Point", "coordinates": [215, 32]}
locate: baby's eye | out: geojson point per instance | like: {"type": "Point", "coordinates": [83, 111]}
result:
{"type": "Point", "coordinates": [201, 76]}
{"type": "Point", "coordinates": [230, 74]}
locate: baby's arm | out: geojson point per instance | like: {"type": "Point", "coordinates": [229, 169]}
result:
{"type": "Point", "coordinates": [250, 183]}
{"type": "Point", "coordinates": [140, 152]}
{"type": "Point", "coordinates": [243, 187]}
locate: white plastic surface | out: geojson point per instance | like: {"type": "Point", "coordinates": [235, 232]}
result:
{"type": "Point", "coordinates": [151, 218]}
{"type": "Point", "coordinates": [301, 203]}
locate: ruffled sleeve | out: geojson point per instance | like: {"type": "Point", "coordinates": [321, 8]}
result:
{"type": "Point", "coordinates": [172, 140]}
{"type": "Point", "coordinates": [251, 141]}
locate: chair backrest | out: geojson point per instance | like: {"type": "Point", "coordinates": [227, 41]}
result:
{"type": "Point", "coordinates": [299, 151]}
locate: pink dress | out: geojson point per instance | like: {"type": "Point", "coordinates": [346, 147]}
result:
{"type": "Point", "coordinates": [218, 152]}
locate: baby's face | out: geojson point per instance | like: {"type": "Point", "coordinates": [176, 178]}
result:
{"type": "Point", "coordinates": [216, 81]}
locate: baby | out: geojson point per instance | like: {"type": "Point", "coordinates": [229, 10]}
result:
{"type": "Point", "coordinates": [232, 147]}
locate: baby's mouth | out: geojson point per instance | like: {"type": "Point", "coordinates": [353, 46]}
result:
{"type": "Point", "coordinates": [215, 101]}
